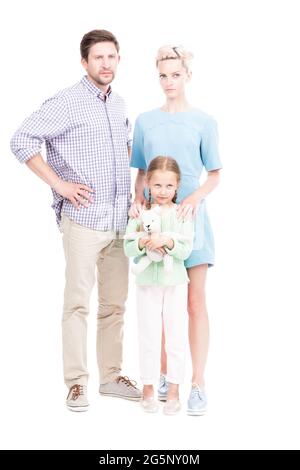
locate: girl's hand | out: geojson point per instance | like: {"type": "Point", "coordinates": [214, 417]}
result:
{"type": "Point", "coordinates": [187, 208]}
{"type": "Point", "coordinates": [162, 251]}
{"type": "Point", "coordinates": [136, 208]}
{"type": "Point", "coordinates": [142, 242]}
{"type": "Point", "coordinates": [154, 244]}
{"type": "Point", "coordinates": [158, 244]}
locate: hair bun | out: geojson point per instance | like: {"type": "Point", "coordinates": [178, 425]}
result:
{"type": "Point", "coordinates": [170, 51]}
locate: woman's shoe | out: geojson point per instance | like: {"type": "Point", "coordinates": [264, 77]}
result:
{"type": "Point", "coordinates": [197, 402]}
{"type": "Point", "coordinates": [162, 388]}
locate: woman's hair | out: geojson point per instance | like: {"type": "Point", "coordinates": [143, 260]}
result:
{"type": "Point", "coordinates": [163, 164]}
{"type": "Point", "coordinates": [93, 37]}
{"type": "Point", "coordinates": [170, 52]}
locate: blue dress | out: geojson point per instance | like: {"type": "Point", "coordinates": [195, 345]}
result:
{"type": "Point", "coordinates": [191, 138]}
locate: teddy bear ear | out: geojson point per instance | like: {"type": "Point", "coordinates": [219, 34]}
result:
{"type": "Point", "coordinates": [157, 209]}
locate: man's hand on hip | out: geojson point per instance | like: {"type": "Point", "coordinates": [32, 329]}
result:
{"type": "Point", "coordinates": [78, 194]}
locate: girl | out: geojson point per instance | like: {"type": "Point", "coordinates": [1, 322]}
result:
{"type": "Point", "coordinates": [161, 294]}
{"type": "Point", "coordinates": [190, 136]}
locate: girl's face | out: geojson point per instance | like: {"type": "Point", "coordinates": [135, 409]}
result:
{"type": "Point", "coordinates": [162, 185]}
{"type": "Point", "coordinates": [173, 77]}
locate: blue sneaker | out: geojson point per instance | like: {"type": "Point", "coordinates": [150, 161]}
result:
{"type": "Point", "coordinates": [162, 388]}
{"type": "Point", "coordinates": [197, 402]}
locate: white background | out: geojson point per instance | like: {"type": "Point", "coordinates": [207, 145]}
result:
{"type": "Point", "coordinates": [246, 74]}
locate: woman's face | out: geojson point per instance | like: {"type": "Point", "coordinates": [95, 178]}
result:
{"type": "Point", "coordinates": [173, 77]}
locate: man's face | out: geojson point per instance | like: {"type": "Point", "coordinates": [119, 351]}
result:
{"type": "Point", "coordinates": [102, 63]}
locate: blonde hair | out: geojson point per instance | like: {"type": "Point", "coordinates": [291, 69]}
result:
{"type": "Point", "coordinates": [163, 164]}
{"type": "Point", "coordinates": [170, 52]}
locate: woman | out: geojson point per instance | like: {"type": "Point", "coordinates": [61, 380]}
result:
{"type": "Point", "coordinates": [190, 137]}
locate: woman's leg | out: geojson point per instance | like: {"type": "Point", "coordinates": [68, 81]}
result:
{"type": "Point", "coordinates": [163, 356]}
{"type": "Point", "coordinates": [198, 321]}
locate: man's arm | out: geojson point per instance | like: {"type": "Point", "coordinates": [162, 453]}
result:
{"type": "Point", "coordinates": [75, 192]}
{"type": "Point", "coordinates": [50, 121]}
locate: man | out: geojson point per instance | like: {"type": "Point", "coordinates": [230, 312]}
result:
{"type": "Point", "coordinates": [86, 133]}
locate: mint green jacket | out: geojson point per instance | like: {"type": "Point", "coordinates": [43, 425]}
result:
{"type": "Point", "coordinates": [155, 274]}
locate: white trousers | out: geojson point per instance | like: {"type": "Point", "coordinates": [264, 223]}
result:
{"type": "Point", "coordinates": [157, 305]}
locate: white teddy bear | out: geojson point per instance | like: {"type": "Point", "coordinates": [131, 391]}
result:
{"type": "Point", "coordinates": [151, 222]}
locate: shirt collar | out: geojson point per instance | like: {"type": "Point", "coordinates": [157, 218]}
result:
{"type": "Point", "coordinates": [95, 90]}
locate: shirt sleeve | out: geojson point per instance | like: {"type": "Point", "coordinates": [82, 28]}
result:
{"type": "Point", "coordinates": [209, 150]}
{"type": "Point", "coordinates": [131, 246]}
{"type": "Point", "coordinates": [183, 248]}
{"type": "Point", "coordinates": [138, 155]}
{"type": "Point", "coordinates": [50, 121]}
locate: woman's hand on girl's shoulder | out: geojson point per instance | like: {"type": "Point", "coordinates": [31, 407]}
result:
{"type": "Point", "coordinates": [185, 211]}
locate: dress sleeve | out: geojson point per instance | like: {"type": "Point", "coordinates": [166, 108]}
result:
{"type": "Point", "coordinates": [209, 150]}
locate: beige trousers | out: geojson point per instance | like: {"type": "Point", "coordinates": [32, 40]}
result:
{"type": "Point", "coordinates": [85, 251]}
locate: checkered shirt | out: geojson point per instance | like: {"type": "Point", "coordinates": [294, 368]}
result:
{"type": "Point", "coordinates": [87, 138]}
